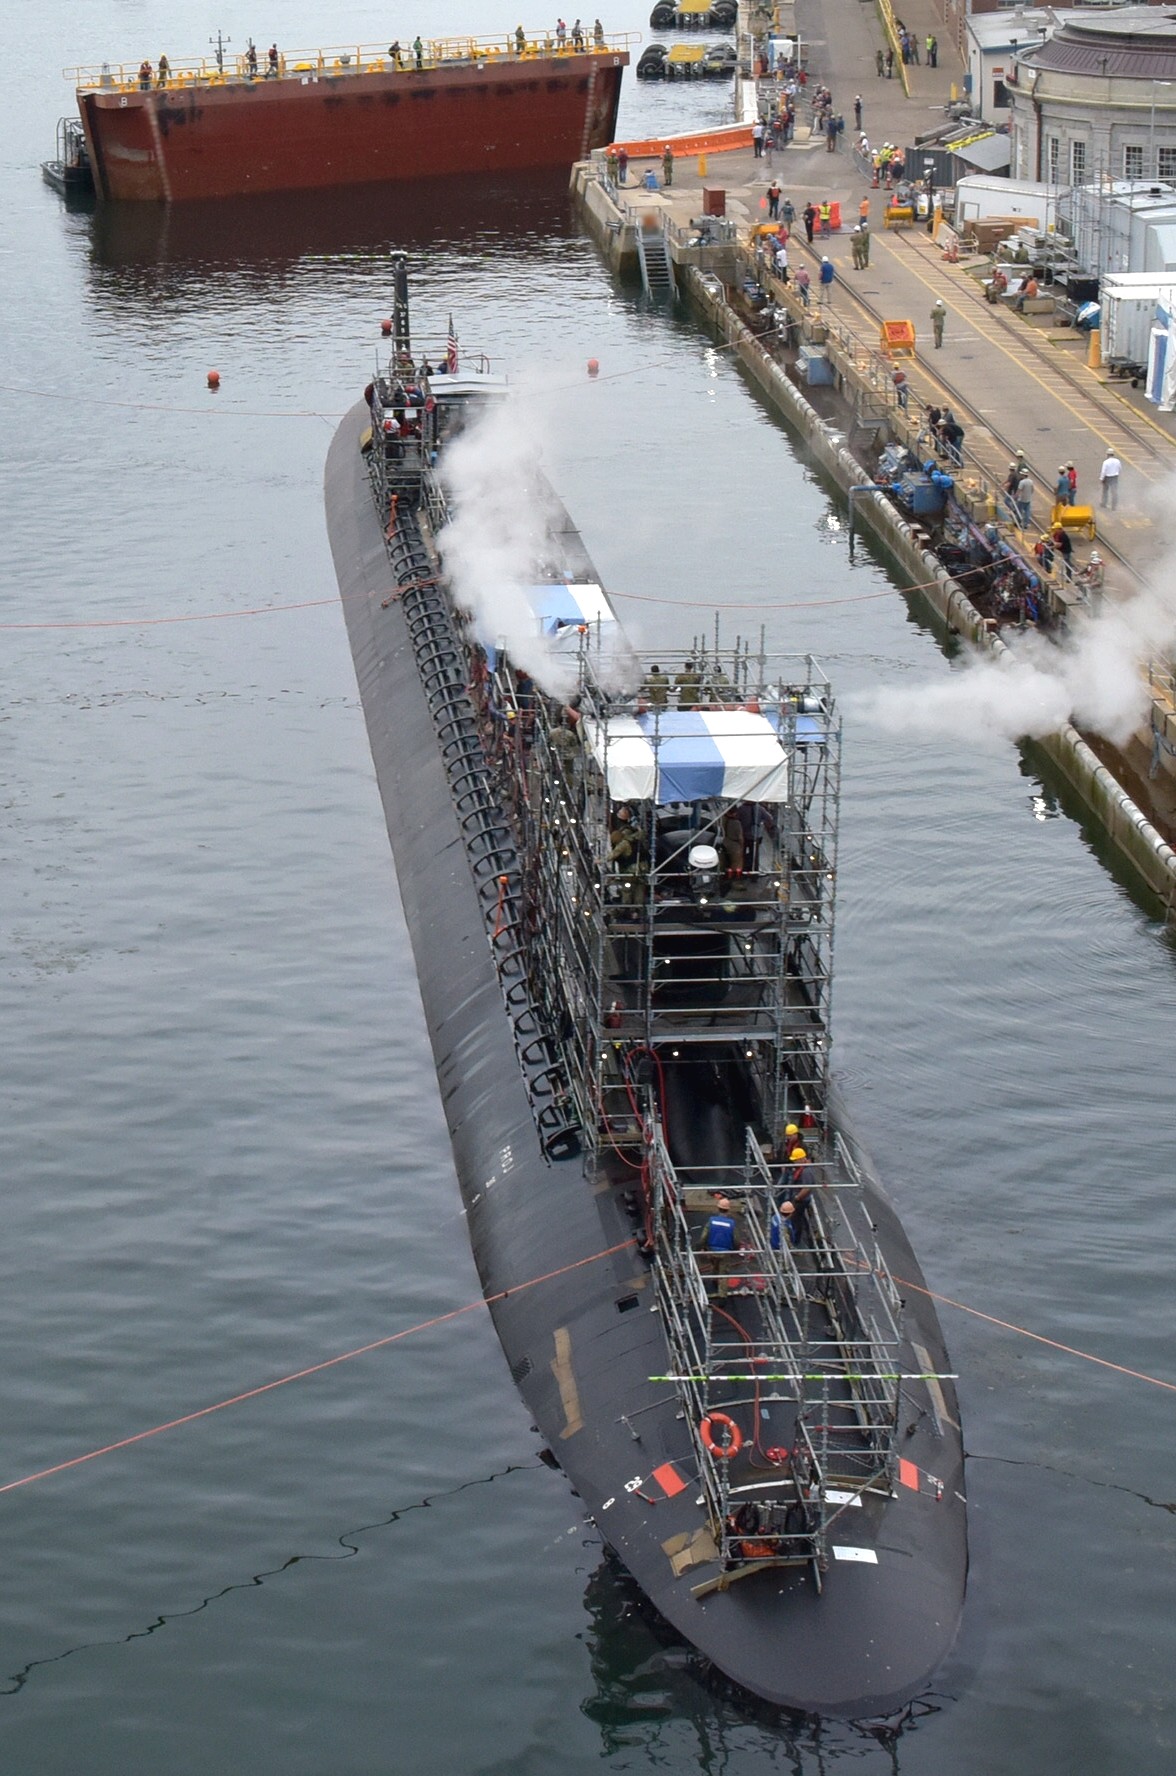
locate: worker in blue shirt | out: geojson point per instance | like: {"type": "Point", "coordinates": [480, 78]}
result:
{"type": "Point", "coordinates": [720, 1240]}
{"type": "Point", "coordinates": [720, 1232]}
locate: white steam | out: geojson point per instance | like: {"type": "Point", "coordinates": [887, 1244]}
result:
{"type": "Point", "coordinates": [496, 544]}
{"type": "Point", "coordinates": [1093, 678]}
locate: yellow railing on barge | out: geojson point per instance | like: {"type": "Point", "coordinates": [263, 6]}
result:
{"type": "Point", "coordinates": [346, 59]}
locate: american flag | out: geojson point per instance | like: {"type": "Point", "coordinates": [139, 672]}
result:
{"type": "Point", "coordinates": [451, 350]}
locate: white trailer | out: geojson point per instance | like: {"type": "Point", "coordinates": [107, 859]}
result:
{"type": "Point", "coordinates": [981, 195]}
{"type": "Point", "coordinates": [1128, 301]}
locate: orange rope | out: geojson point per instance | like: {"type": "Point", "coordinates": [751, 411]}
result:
{"type": "Point", "coordinates": [269, 610]}
{"type": "Point", "coordinates": [315, 1368]}
{"type": "Point", "coordinates": [256, 610]}
{"type": "Point", "coordinates": [219, 408]}
{"type": "Point", "coordinates": [1039, 1337]}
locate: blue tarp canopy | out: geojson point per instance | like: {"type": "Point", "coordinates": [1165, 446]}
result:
{"type": "Point", "coordinates": [569, 606]}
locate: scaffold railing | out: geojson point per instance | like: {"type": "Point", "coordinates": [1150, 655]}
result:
{"type": "Point", "coordinates": [794, 1325]}
{"type": "Point", "coordinates": [638, 937]}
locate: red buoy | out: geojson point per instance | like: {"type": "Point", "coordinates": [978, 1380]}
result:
{"type": "Point", "coordinates": [593, 367]}
{"type": "Point", "coordinates": [385, 328]}
{"type": "Point", "coordinates": [214, 379]}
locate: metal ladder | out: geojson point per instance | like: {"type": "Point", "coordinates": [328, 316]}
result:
{"type": "Point", "coordinates": [657, 268]}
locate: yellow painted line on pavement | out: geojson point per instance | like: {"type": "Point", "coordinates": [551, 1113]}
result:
{"type": "Point", "coordinates": [1137, 416]}
{"type": "Point", "coordinates": [1099, 431]}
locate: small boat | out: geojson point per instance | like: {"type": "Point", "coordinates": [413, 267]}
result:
{"type": "Point", "coordinates": [618, 876]}
{"type": "Point", "coordinates": [70, 172]}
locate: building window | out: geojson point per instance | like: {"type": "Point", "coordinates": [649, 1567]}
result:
{"type": "Point", "coordinates": [1055, 150]}
{"type": "Point", "coordinates": [1000, 96]}
{"type": "Point", "coordinates": [1133, 162]}
{"type": "Point", "coordinates": [1166, 163]}
{"type": "Point", "coordinates": [1077, 162]}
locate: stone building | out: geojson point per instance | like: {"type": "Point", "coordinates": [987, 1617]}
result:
{"type": "Point", "coordinates": [1097, 100]}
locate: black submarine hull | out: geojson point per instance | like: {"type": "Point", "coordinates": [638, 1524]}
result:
{"type": "Point", "coordinates": [571, 1298]}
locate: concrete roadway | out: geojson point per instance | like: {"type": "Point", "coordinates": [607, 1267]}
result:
{"type": "Point", "coordinates": [1013, 383]}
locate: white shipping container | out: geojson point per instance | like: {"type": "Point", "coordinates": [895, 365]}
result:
{"type": "Point", "coordinates": [981, 195]}
{"type": "Point", "coordinates": [1129, 300]}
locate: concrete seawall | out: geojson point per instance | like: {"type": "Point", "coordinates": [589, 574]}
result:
{"type": "Point", "coordinates": [1133, 836]}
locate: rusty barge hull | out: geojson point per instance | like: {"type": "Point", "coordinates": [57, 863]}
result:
{"type": "Point", "coordinates": [236, 138]}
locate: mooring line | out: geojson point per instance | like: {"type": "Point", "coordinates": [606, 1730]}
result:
{"type": "Point", "coordinates": [1039, 1337]}
{"type": "Point", "coordinates": [455, 1313]}
{"type": "Point", "coordinates": [269, 610]}
{"type": "Point", "coordinates": [361, 1350]}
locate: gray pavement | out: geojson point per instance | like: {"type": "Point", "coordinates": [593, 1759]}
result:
{"type": "Point", "coordinates": [1013, 384]}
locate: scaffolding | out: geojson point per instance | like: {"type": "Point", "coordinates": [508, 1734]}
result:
{"type": "Point", "coordinates": [708, 924]}
{"type": "Point", "coordinates": [795, 1333]}
{"type": "Point", "coordinates": [675, 922]}
{"type": "Point", "coordinates": [654, 849]}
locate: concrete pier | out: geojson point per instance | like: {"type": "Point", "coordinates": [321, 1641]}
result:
{"type": "Point", "coordinates": [1014, 384]}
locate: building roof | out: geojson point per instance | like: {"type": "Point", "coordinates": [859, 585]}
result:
{"type": "Point", "coordinates": [1127, 43]}
{"type": "Point", "coordinates": [990, 153]}
{"type": "Point", "coordinates": [1017, 29]}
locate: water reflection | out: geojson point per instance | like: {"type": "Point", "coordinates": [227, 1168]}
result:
{"type": "Point", "coordinates": [265, 237]}
{"type": "Point", "coordinates": [649, 1684]}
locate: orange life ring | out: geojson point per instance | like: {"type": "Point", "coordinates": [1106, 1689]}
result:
{"type": "Point", "coordinates": [734, 1443]}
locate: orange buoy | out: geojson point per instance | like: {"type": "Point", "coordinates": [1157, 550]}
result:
{"type": "Point", "coordinates": [214, 379]}
{"type": "Point", "coordinates": [385, 327]}
{"type": "Point", "coordinates": [593, 367]}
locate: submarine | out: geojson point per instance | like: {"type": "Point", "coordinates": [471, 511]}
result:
{"type": "Point", "coordinates": [618, 877]}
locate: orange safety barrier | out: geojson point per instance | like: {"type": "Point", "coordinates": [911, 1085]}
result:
{"type": "Point", "coordinates": [716, 141]}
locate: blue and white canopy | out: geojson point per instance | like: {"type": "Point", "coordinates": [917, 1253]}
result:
{"type": "Point", "coordinates": [569, 606]}
{"type": "Point", "coordinates": [679, 755]}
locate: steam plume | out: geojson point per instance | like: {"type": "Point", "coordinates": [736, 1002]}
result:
{"type": "Point", "coordinates": [494, 545]}
{"type": "Point", "coordinates": [1093, 678]}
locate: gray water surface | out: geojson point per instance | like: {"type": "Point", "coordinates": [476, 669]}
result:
{"type": "Point", "coordinates": [224, 1156]}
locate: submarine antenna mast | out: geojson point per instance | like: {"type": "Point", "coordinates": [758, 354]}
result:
{"type": "Point", "coordinates": [401, 335]}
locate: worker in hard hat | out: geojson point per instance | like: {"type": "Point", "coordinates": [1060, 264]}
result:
{"type": "Point", "coordinates": [793, 1205]}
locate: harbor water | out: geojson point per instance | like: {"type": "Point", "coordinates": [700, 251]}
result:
{"type": "Point", "coordinates": [225, 1158]}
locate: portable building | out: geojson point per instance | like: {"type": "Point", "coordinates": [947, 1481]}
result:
{"type": "Point", "coordinates": [1129, 301]}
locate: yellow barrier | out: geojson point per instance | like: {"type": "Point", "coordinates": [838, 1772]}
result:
{"type": "Point", "coordinates": [890, 26]}
{"type": "Point", "coordinates": [124, 78]}
{"type": "Point", "coordinates": [1075, 518]}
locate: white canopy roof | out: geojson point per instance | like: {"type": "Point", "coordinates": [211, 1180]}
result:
{"type": "Point", "coordinates": [679, 755]}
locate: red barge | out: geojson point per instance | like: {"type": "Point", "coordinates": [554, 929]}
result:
{"type": "Point", "coordinates": [229, 127]}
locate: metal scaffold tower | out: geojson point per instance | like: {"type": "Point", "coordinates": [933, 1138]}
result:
{"type": "Point", "coordinates": [677, 864]}
{"type": "Point", "coordinates": [694, 922]}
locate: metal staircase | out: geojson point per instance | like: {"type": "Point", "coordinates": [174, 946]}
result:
{"type": "Point", "coordinates": [653, 256]}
